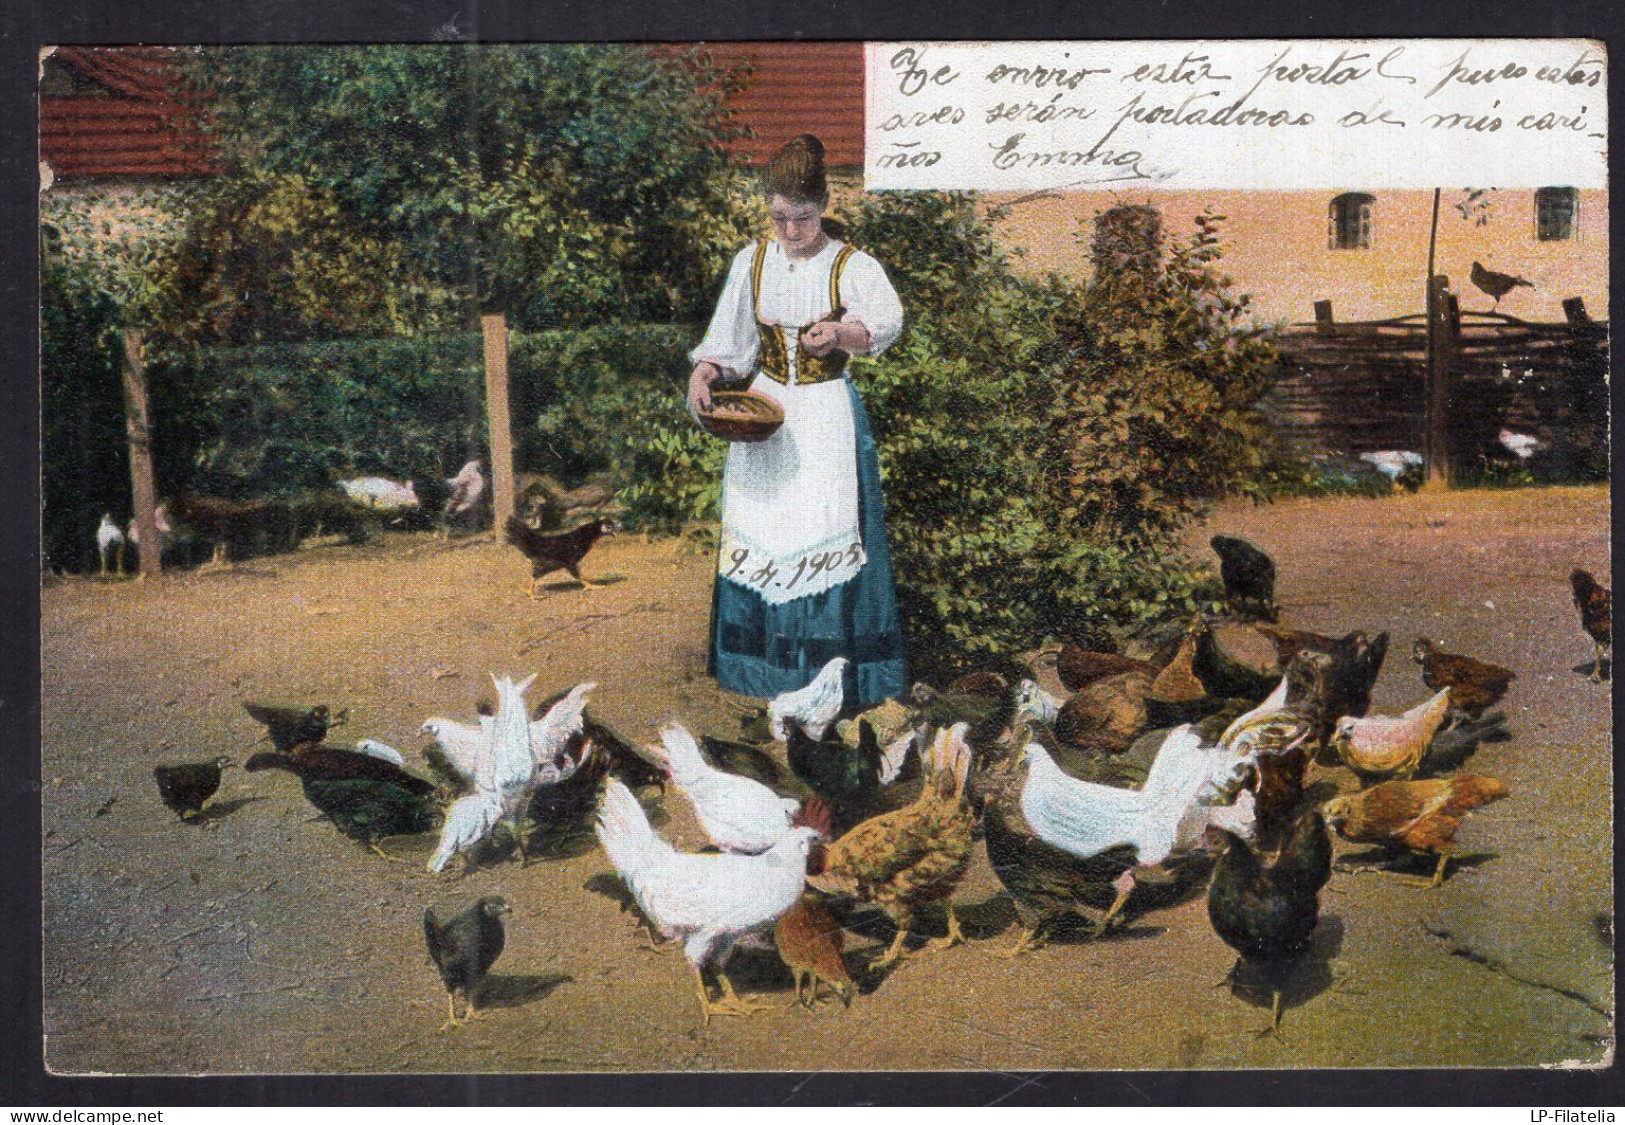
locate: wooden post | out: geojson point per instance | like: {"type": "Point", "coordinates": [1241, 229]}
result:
{"type": "Point", "coordinates": [495, 329]}
{"type": "Point", "coordinates": [1574, 311]}
{"type": "Point", "coordinates": [1324, 325]}
{"type": "Point", "coordinates": [1442, 347]}
{"type": "Point", "coordinates": [1432, 423]}
{"type": "Point", "coordinates": [139, 430]}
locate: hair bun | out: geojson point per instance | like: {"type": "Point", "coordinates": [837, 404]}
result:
{"type": "Point", "coordinates": [797, 171]}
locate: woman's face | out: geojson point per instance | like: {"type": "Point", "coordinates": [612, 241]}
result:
{"type": "Point", "coordinates": [798, 225]}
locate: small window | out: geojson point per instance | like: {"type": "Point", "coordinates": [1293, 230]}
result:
{"type": "Point", "coordinates": [1557, 213]}
{"type": "Point", "coordinates": [1348, 223]}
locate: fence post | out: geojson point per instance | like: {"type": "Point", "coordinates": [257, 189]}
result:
{"type": "Point", "coordinates": [494, 327]}
{"type": "Point", "coordinates": [138, 429]}
{"type": "Point", "coordinates": [1574, 311]}
{"type": "Point", "coordinates": [1324, 325]}
{"type": "Point", "coordinates": [1441, 360]}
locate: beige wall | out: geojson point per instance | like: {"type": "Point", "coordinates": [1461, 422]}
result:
{"type": "Point", "coordinates": [1275, 248]}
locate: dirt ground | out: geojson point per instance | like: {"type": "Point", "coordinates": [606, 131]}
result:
{"type": "Point", "coordinates": [263, 941]}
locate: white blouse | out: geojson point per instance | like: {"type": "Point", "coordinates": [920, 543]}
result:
{"type": "Point", "coordinates": [796, 294]}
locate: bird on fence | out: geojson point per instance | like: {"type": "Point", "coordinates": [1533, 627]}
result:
{"type": "Point", "coordinates": [1496, 285]}
{"type": "Point", "coordinates": [108, 540]}
{"type": "Point", "coordinates": [467, 489]}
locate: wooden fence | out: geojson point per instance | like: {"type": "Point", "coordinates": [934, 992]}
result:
{"type": "Point", "coordinates": [1351, 388]}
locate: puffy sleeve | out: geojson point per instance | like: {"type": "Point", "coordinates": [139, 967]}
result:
{"type": "Point", "coordinates": [868, 295]}
{"type": "Point", "coordinates": [731, 340]}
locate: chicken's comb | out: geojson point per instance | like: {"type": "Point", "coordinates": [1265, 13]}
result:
{"type": "Point", "coordinates": [817, 815]}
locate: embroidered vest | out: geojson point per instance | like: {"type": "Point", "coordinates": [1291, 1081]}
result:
{"type": "Point", "coordinates": [774, 352]}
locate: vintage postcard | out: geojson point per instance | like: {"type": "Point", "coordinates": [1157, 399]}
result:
{"type": "Point", "coordinates": [825, 556]}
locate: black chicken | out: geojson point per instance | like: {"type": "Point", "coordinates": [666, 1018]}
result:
{"type": "Point", "coordinates": [1355, 660]}
{"type": "Point", "coordinates": [463, 949]}
{"type": "Point", "coordinates": [366, 798]}
{"type": "Point", "coordinates": [184, 786]}
{"type": "Point", "coordinates": [1596, 608]}
{"type": "Point", "coordinates": [1267, 914]}
{"type": "Point", "coordinates": [232, 524]}
{"type": "Point", "coordinates": [294, 726]}
{"type": "Point", "coordinates": [1249, 576]}
{"type": "Point", "coordinates": [846, 777]}
{"type": "Point", "coordinates": [549, 551]}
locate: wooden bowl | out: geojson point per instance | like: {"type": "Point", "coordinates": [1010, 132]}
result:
{"type": "Point", "coordinates": [742, 416]}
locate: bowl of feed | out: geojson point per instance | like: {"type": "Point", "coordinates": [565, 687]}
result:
{"type": "Point", "coordinates": [742, 416]}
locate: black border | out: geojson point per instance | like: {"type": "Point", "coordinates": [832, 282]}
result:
{"type": "Point", "coordinates": [27, 24]}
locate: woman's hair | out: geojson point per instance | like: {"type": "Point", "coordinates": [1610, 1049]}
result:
{"type": "Point", "coordinates": [797, 171]}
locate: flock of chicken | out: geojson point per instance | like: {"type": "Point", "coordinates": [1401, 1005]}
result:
{"type": "Point", "coordinates": [1136, 777]}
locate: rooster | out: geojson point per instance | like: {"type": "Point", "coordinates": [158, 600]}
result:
{"type": "Point", "coordinates": [814, 707]}
{"type": "Point", "coordinates": [708, 902]}
{"type": "Point", "coordinates": [1595, 604]}
{"type": "Point", "coordinates": [549, 551]}
{"type": "Point", "coordinates": [1266, 914]}
{"type": "Point", "coordinates": [1419, 816]}
{"type": "Point", "coordinates": [737, 813]}
{"type": "Point", "coordinates": [904, 859]}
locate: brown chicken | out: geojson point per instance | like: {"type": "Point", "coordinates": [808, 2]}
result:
{"type": "Point", "coordinates": [232, 524]}
{"type": "Point", "coordinates": [1596, 608]}
{"type": "Point", "coordinates": [1106, 716]}
{"type": "Point", "coordinates": [1078, 668]}
{"type": "Point", "coordinates": [1474, 685]}
{"type": "Point", "coordinates": [1421, 816]}
{"type": "Point", "coordinates": [1352, 664]}
{"type": "Point", "coordinates": [549, 551]}
{"type": "Point", "coordinates": [916, 855]}
{"type": "Point", "coordinates": [1178, 683]}
{"type": "Point", "coordinates": [811, 942]}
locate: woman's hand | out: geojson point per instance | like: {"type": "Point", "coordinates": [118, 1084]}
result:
{"type": "Point", "coordinates": [835, 335]}
{"type": "Point", "coordinates": [699, 386]}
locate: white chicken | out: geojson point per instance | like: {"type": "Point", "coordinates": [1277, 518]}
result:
{"type": "Point", "coordinates": [551, 734]}
{"type": "Point", "coordinates": [1394, 463]}
{"type": "Point", "coordinates": [166, 529]}
{"type": "Point", "coordinates": [382, 750]}
{"type": "Point", "coordinates": [813, 707]}
{"type": "Point", "coordinates": [739, 814]}
{"type": "Point", "coordinates": [461, 743]}
{"type": "Point", "coordinates": [708, 902]}
{"type": "Point", "coordinates": [1033, 700]}
{"type": "Point", "coordinates": [1167, 814]}
{"type": "Point", "coordinates": [380, 492]}
{"type": "Point", "coordinates": [469, 820]}
{"type": "Point", "coordinates": [467, 489]}
{"type": "Point", "coordinates": [1524, 446]}
{"type": "Point", "coordinates": [108, 539]}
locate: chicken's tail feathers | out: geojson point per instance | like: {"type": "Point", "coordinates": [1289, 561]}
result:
{"type": "Point", "coordinates": [1471, 791]}
{"type": "Point", "coordinates": [682, 753]}
{"type": "Point", "coordinates": [816, 814]}
{"type": "Point", "coordinates": [895, 756]}
{"type": "Point", "coordinates": [624, 832]}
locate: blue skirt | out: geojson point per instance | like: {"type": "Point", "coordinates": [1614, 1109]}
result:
{"type": "Point", "coordinates": [763, 650]}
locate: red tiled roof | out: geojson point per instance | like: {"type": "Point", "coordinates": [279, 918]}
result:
{"type": "Point", "coordinates": [138, 128]}
{"type": "Point", "coordinates": [796, 87]}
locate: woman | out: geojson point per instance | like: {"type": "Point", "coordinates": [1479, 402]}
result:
{"type": "Point", "coordinates": [804, 572]}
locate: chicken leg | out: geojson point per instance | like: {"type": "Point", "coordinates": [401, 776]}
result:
{"type": "Point", "coordinates": [1026, 942]}
{"type": "Point", "coordinates": [451, 1012]}
{"type": "Point", "coordinates": [954, 936]}
{"type": "Point", "coordinates": [894, 953]}
{"type": "Point", "coordinates": [1438, 875]}
{"type": "Point", "coordinates": [1125, 887]}
{"type": "Point", "coordinates": [577, 575]}
{"type": "Point", "coordinates": [1596, 668]}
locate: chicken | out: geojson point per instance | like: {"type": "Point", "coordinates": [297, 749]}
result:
{"type": "Point", "coordinates": [905, 859]}
{"type": "Point", "coordinates": [1106, 715]}
{"type": "Point", "coordinates": [1085, 819]}
{"type": "Point", "coordinates": [814, 707]}
{"type": "Point", "coordinates": [1475, 686]}
{"type": "Point", "coordinates": [1351, 669]}
{"type": "Point", "coordinates": [1276, 737]}
{"type": "Point", "coordinates": [1496, 285]}
{"type": "Point", "coordinates": [556, 550]}
{"type": "Point", "coordinates": [847, 778]}
{"type": "Point", "coordinates": [237, 525]}
{"type": "Point", "coordinates": [1420, 816]}
{"type": "Point", "coordinates": [1267, 914]}
{"type": "Point", "coordinates": [381, 492]}
{"type": "Point", "coordinates": [1593, 601]}
{"type": "Point", "coordinates": [290, 726]}
{"type": "Point", "coordinates": [1077, 668]}
{"type": "Point", "coordinates": [166, 529]}
{"type": "Point", "coordinates": [463, 949]}
{"type": "Point", "coordinates": [737, 813]}
{"type": "Point", "coordinates": [456, 746]}
{"type": "Point", "coordinates": [706, 901]}
{"type": "Point", "coordinates": [365, 797]}
{"type": "Point", "coordinates": [110, 540]}
{"type": "Point", "coordinates": [185, 786]}
{"type": "Point", "coordinates": [1248, 575]}
{"type": "Point", "coordinates": [1177, 687]}
{"type": "Point", "coordinates": [812, 944]}
{"type": "Point", "coordinates": [986, 715]}
{"type": "Point", "coordinates": [467, 490]}
{"type": "Point", "coordinates": [1521, 446]}
{"type": "Point", "coordinates": [546, 503]}
{"type": "Point", "coordinates": [1395, 463]}
{"type": "Point", "coordinates": [380, 750]}
{"type": "Point", "coordinates": [1390, 745]}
